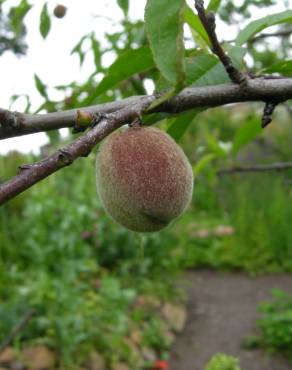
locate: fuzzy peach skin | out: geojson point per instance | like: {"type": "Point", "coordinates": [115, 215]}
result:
{"type": "Point", "coordinates": [144, 179]}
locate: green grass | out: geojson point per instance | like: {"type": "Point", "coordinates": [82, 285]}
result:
{"type": "Point", "coordinates": [258, 207]}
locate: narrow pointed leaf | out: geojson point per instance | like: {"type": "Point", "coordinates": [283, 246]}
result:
{"type": "Point", "coordinates": [204, 69]}
{"type": "Point", "coordinates": [213, 5]}
{"type": "Point", "coordinates": [246, 134]}
{"type": "Point", "coordinates": [203, 163]}
{"type": "Point", "coordinates": [195, 24]}
{"type": "Point", "coordinates": [128, 64]}
{"type": "Point", "coordinates": [95, 47]}
{"type": "Point", "coordinates": [45, 21]}
{"type": "Point", "coordinates": [78, 50]}
{"type": "Point", "coordinates": [41, 87]}
{"type": "Point", "coordinates": [284, 67]}
{"type": "Point", "coordinates": [164, 27]}
{"type": "Point", "coordinates": [256, 26]}
{"type": "Point", "coordinates": [217, 75]}
{"type": "Point", "coordinates": [181, 123]}
{"type": "Point", "coordinates": [124, 5]}
{"type": "Point", "coordinates": [199, 66]}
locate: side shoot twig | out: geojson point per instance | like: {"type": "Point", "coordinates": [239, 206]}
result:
{"type": "Point", "coordinates": [256, 168]}
{"type": "Point", "coordinates": [209, 23]}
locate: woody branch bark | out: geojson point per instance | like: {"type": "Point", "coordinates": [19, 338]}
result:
{"type": "Point", "coordinates": [281, 166]}
{"type": "Point", "coordinates": [123, 112]}
{"type": "Point", "coordinates": [14, 124]}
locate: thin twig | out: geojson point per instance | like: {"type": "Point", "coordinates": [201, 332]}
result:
{"type": "Point", "coordinates": [281, 33]}
{"type": "Point", "coordinates": [30, 174]}
{"type": "Point", "coordinates": [269, 108]}
{"type": "Point", "coordinates": [258, 89]}
{"type": "Point", "coordinates": [209, 23]}
{"type": "Point", "coordinates": [17, 329]}
{"type": "Point", "coordinates": [256, 168]}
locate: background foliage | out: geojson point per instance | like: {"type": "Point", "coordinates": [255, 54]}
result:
{"type": "Point", "coordinates": [62, 256]}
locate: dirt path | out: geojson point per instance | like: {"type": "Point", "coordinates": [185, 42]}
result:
{"type": "Point", "coordinates": [221, 312]}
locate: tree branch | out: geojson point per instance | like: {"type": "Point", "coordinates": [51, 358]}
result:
{"type": "Point", "coordinates": [209, 23]}
{"type": "Point", "coordinates": [281, 33]}
{"type": "Point", "coordinates": [123, 112]}
{"type": "Point", "coordinates": [17, 124]}
{"type": "Point", "coordinates": [256, 168]}
{"type": "Point", "coordinates": [258, 89]}
{"type": "Point", "coordinates": [31, 174]}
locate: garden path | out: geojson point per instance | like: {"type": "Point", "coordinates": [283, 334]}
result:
{"type": "Point", "coordinates": [222, 310]}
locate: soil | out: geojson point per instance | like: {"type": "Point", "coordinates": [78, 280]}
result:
{"type": "Point", "coordinates": [222, 311]}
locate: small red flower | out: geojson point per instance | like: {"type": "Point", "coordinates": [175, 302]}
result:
{"type": "Point", "coordinates": [160, 365]}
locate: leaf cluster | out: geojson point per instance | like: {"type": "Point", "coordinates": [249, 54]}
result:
{"type": "Point", "coordinates": [275, 324]}
{"type": "Point", "coordinates": [13, 29]}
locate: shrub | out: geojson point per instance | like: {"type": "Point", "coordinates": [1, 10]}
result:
{"type": "Point", "coordinates": [276, 323]}
{"type": "Point", "coordinates": [221, 361]}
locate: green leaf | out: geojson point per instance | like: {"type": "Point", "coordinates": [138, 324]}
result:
{"type": "Point", "coordinates": [53, 136]}
{"type": "Point", "coordinates": [128, 64]}
{"type": "Point", "coordinates": [164, 28]}
{"type": "Point", "coordinates": [14, 98]}
{"type": "Point", "coordinates": [95, 46]}
{"type": "Point", "coordinates": [246, 134]}
{"type": "Point", "coordinates": [78, 50]}
{"type": "Point", "coordinates": [195, 24]}
{"type": "Point", "coordinates": [213, 5]}
{"type": "Point", "coordinates": [284, 67]}
{"type": "Point", "coordinates": [217, 74]}
{"type": "Point", "coordinates": [203, 162]}
{"type": "Point", "coordinates": [163, 98]}
{"type": "Point", "coordinates": [124, 5]}
{"type": "Point", "coordinates": [45, 21]}
{"type": "Point", "coordinates": [16, 16]}
{"type": "Point", "coordinates": [199, 66]}
{"type": "Point", "coordinates": [205, 69]}
{"type": "Point", "coordinates": [181, 123]}
{"type": "Point", "coordinates": [215, 146]}
{"type": "Point", "coordinates": [256, 26]}
{"type": "Point", "coordinates": [154, 118]}
{"type": "Point", "coordinates": [41, 87]}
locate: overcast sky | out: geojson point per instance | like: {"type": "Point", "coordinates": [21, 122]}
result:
{"type": "Point", "coordinates": [50, 59]}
